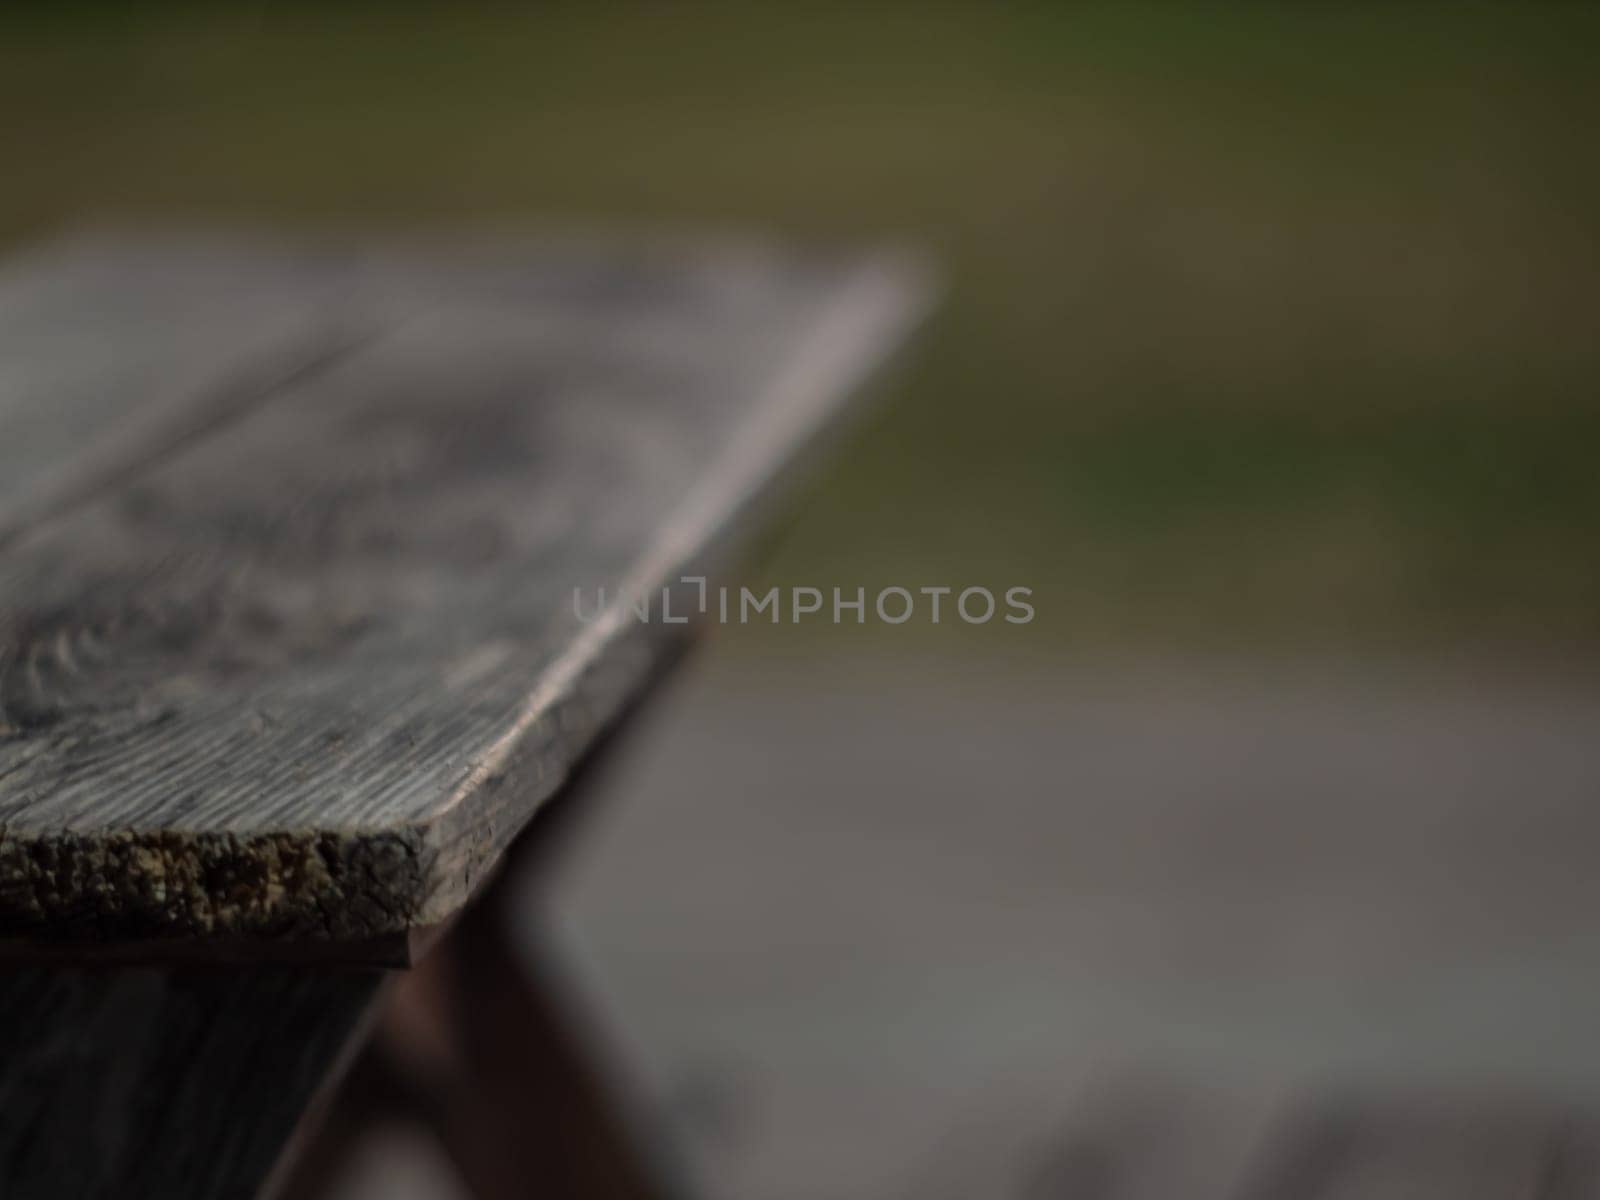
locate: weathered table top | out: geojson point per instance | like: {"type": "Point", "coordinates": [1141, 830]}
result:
{"type": "Point", "coordinates": [289, 537]}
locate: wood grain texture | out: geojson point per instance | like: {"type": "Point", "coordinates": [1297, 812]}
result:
{"type": "Point", "coordinates": [113, 353]}
{"type": "Point", "coordinates": [300, 670]}
{"type": "Point", "coordinates": [153, 1084]}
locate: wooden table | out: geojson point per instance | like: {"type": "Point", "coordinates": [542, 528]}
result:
{"type": "Point", "coordinates": [290, 536]}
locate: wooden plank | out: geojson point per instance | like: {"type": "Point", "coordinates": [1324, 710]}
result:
{"type": "Point", "coordinates": [163, 1083]}
{"type": "Point", "coordinates": [303, 678]}
{"type": "Point", "coordinates": [113, 353]}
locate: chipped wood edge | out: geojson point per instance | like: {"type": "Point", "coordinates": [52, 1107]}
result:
{"type": "Point", "coordinates": [371, 892]}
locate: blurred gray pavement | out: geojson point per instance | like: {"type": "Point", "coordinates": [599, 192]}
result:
{"type": "Point", "coordinates": [887, 929]}
{"type": "Point", "coordinates": [867, 924]}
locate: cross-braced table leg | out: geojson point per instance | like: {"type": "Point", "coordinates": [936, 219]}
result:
{"type": "Point", "coordinates": [482, 1049]}
{"type": "Point", "coordinates": [482, 1045]}
{"type": "Point", "coordinates": [187, 1082]}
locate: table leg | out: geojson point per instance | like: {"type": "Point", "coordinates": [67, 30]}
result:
{"type": "Point", "coordinates": [164, 1083]}
{"type": "Point", "coordinates": [483, 1046]}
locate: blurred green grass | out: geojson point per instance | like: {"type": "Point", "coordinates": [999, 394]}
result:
{"type": "Point", "coordinates": [1264, 323]}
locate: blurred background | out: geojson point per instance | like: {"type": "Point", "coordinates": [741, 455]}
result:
{"type": "Point", "coordinates": [1265, 324]}
{"type": "Point", "coordinates": [1267, 359]}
